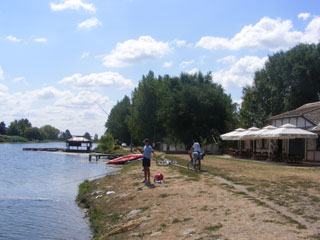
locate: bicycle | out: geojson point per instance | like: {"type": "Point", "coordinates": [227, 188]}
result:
{"type": "Point", "coordinates": [194, 164]}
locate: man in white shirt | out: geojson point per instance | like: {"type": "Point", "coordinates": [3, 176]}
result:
{"type": "Point", "coordinates": [195, 148]}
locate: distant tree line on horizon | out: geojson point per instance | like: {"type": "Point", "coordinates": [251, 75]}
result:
{"type": "Point", "coordinates": [23, 128]}
{"type": "Point", "coordinates": [178, 109]}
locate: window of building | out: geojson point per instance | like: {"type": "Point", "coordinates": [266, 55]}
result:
{"type": "Point", "coordinates": [318, 143]}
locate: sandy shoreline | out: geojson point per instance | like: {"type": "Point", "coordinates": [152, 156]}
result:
{"type": "Point", "coordinates": [186, 206]}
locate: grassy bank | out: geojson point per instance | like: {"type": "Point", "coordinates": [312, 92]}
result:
{"type": "Point", "coordinates": [11, 139]}
{"type": "Point", "coordinates": [199, 206]}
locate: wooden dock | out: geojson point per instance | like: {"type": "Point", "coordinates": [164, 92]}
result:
{"type": "Point", "coordinates": [93, 155]}
{"type": "Point", "coordinates": [97, 156]}
{"type": "Point", "coordinates": [45, 149]}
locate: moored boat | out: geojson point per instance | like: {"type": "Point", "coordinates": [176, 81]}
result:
{"type": "Point", "coordinates": [125, 159]}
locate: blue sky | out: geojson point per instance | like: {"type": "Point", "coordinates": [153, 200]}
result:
{"type": "Point", "coordinates": [61, 60]}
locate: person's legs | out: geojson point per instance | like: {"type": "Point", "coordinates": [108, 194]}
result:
{"type": "Point", "coordinates": [145, 173]}
{"type": "Point", "coordinates": [190, 154]}
{"type": "Point", "coordinates": [148, 174]}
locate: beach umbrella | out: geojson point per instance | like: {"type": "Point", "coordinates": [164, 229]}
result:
{"type": "Point", "coordinates": [229, 135]}
{"type": "Point", "coordinates": [288, 131]}
{"type": "Point", "coordinates": [257, 133]}
{"type": "Point", "coordinates": [242, 135]}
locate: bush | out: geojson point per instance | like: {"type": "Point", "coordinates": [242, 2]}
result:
{"type": "Point", "coordinates": [5, 138]}
{"type": "Point", "coordinates": [106, 143]}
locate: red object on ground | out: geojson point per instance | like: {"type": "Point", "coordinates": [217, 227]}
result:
{"type": "Point", "coordinates": [158, 176]}
{"type": "Point", "coordinates": [124, 159]}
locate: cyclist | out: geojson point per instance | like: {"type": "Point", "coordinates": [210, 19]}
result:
{"type": "Point", "coordinates": [195, 149]}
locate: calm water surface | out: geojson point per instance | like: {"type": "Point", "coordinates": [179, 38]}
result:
{"type": "Point", "coordinates": [38, 191]}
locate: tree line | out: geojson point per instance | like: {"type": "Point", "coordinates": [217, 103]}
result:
{"type": "Point", "coordinates": [24, 129]}
{"type": "Point", "coordinates": [180, 108]}
{"type": "Point", "coordinates": [288, 80]}
{"type": "Point", "coordinates": [175, 109]}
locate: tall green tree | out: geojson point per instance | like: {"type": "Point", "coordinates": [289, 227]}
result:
{"type": "Point", "coordinates": [3, 128]}
{"type": "Point", "coordinates": [288, 80]}
{"type": "Point", "coordinates": [118, 120]}
{"type": "Point", "coordinates": [34, 133]}
{"type": "Point", "coordinates": [106, 143]}
{"type": "Point", "coordinates": [176, 108]}
{"type": "Point", "coordinates": [146, 105]}
{"type": "Point", "coordinates": [17, 127]}
{"type": "Point", "coordinates": [51, 132]}
{"type": "Point", "coordinates": [87, 136]}
{"type": "Point", "coordinates": [195, 108]}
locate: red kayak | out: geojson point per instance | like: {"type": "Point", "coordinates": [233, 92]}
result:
{"type": "Point", "coordinates": [124, 159]}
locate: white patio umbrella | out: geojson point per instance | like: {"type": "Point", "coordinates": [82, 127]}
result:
{"type": "Point", "coordinates": [257, 134]}
{"type": "Point", "coordinates": [288, 131]}
{"type": "Point", "coordinates": [229, 135]}
{"type": "Point", "coordinates": [242, 135]}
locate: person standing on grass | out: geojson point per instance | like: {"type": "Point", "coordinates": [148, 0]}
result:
{"type": "Point", "coordinates": [147, 150]}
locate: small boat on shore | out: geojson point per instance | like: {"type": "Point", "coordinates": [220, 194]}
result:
{"type": "Point", "coordinates": [125, 159]}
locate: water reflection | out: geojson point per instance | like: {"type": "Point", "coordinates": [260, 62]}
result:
{"type": "Point", "coordinates": [37, 193]}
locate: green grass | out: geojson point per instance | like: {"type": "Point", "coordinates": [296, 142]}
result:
{"type": "Point", "coordinates": [204, 208]}
{"type": "Point", "coordinates": [214, 228]}
{"type": "Point", "coordinates": [5, 138]}
{"type": "Point", "coordinates": [83, 188]}
{"type": "Point", "coordinates": [143, 209]}
{"type": "Point", "coordinates": [191, 175]}
{"type": "Point", "coordinates": [164, 195]}
{"type": "Point", "coordinates": [162, 226]}
{"type": "Point", "coordinates": [176, 220]}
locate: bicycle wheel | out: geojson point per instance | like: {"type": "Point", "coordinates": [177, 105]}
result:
{"type": "Point", "coordinates": [190, 165]}
{"type": "Point", "coordinates": [196, 166]}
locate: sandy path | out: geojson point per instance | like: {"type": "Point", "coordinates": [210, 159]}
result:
{"type": "Point", "coordinates": [209, 208]}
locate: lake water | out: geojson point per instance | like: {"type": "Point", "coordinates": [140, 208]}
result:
{"type": "Point", "coordinates": [38, 191]}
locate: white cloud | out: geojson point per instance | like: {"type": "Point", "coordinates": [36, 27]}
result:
{"type": "Point", "coordinates": [304, 16]}
{"type": "Point", "coordinates": [97, 80]}
{"type": "Point", "coordinates": [180, 43]}
{"type": "Point", "coordinates": [1, 73]}
{"type": "Point", "coordinates": [61, 109]}
{"type": "Point", "coordinates": [19, 80]}
{"type": "Point", "coordinates": [268, 33]}
{"type": "Point", "coordinates": [40, 40]}
{"type": "Point", "coordinates": [3, 88]}
{"type": "Point", "coordinates": [193, 71]}
{"type": "Point", "coordinates": [85, 54]}
{"type": "Point", "coordinates": [312, 32]}
{"type": "Point", "coordinates": [89, 23]}
{"type": "Point", "coordinates": [184, 64]}
{"type": "Point", "coordinates": [83, 99]}
{"type": "Point", "coordinates": [167, 64]}
{"type": "Point", "coordinates": [48, 93]}
{"type": "Point", "coordinates": [72, 4]}
{"type": "Point", "coordinates": [136, 51]}
{"type": "Point", "coordinates": [227, 60]}
{"type": "Point", "coordinates": [239, 102]}
{"type": "Point", "coordinates": [13, 39]}
{"type": "Point", "coordinates": [240, 73]}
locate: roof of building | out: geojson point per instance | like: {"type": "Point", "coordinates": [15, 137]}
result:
{"type": "Point", "coordinates": [311, 111]}
{"type": "Point", "coordinates": [78, 139]}
{"type": "Point", "coordinates": [315, 129]}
